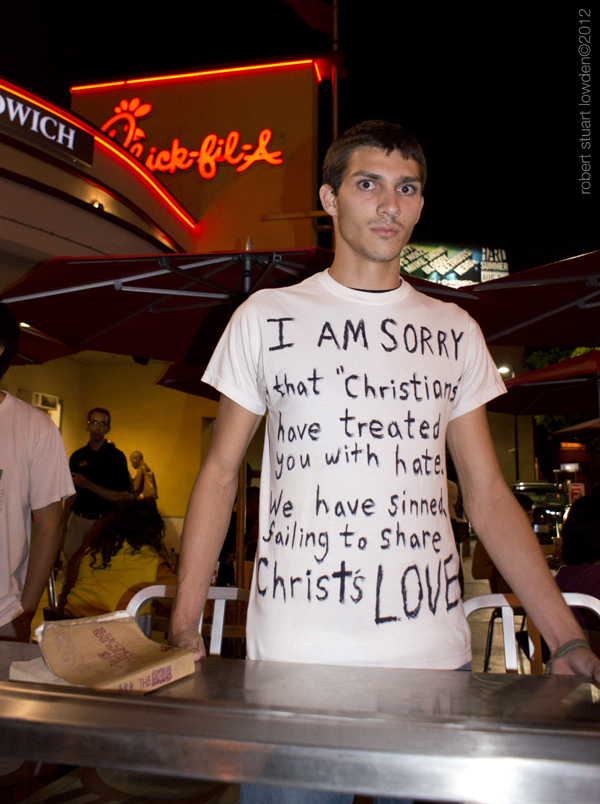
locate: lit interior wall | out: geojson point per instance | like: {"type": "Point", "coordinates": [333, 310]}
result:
{"type": "Point", "coordinates": [165, 425]}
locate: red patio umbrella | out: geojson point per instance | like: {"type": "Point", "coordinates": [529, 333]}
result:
{"type": "Point", "coordinates": [570, 386]}
{"type": "Point", "coordinates": [163, 307]}
{"type": "Point", "coordinates": [584, 428]}
{"type": "Point", "coordinates": [36, 347]}
{"type": "Point", "coordinates": [171, 308]}
{"type": "Point", "coordinates": [553, 305]}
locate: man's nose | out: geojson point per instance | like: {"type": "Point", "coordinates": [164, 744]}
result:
{"type": "Point", "coordinates": [388, 203]}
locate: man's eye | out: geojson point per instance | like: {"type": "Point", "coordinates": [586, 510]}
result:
{"type": "Point", "coordinates": [365, 184]}
{"type": "Point", "coordinates": [407, 189]}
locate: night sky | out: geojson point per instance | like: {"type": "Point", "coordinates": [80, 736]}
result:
{"type": "Point", "coordinates": [491, 90]}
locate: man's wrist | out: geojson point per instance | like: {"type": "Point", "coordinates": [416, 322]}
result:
{"type": "Point", "coordinates": [564, 649]}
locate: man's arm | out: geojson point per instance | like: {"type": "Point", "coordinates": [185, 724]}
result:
{"type": "Point", "coordinates": [65, 516]}
{"type": "Point", "coordinates": [502, 525]}
{"type": "Point", "coordinates": [45, 542]}
{"type": "Point", "coordinates": [108, 494]}
{"type": "Point", "coordinates": [207, 518]}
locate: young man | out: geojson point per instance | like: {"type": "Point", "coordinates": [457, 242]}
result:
{"type": "Point", "coordinates": [101, 477]}
{"type": "Point", "coordinates": [34, 478]}
{"type": "Point", "coordinates": [364, 379]}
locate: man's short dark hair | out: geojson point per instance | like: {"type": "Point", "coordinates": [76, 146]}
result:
{"type": "Point", "coordinates": [10, 334]}
{"type": "Point", "coordinates": [99, 410]}
{"type": "Point", "coordinates": [371, 134]}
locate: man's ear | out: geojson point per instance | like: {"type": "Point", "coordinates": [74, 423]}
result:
{"type": "Point", "coordinates": [328, 199]}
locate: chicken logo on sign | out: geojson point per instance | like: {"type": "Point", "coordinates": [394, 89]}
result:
{"type": "Point", "coordinates": [213, 149]}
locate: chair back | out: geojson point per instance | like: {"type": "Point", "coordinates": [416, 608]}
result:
{"type": "Point", "coordinates": [507, 604]}
{"type": "Point", "coordinates": [219, 594]}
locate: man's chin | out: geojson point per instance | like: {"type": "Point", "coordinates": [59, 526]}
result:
{"type": "Point", "coordinates": [383, 256]}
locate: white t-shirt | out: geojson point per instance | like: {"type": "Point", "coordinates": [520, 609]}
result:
{"type": "Point", "coordinates": [356, 561]}
{"type": "Point", "coordinates": [34, 472]}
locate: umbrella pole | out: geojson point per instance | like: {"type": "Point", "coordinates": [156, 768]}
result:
{"type": "Point", "coordinates": [240, 529]}
{"type": "Point", "coordinates": [517, 478]}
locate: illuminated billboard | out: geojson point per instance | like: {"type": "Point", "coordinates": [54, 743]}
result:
{"type": "Point", "coordinates": [455, 266]}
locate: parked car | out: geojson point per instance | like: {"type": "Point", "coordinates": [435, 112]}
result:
{"type": "Point", "coordinates": [550, 504]}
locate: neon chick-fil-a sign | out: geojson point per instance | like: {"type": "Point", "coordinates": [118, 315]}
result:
{"type": "Point", "coordinates": [213, 149]}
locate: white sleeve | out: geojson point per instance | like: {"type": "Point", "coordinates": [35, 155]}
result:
{"type": "Point", "coordinates": [50, 477]}
{"type": "Point", "coordinates": [480, 380]}
{"type": "Point", "coordinates": [235, 368]}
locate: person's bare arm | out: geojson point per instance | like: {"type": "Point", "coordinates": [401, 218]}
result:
{"type": "Point", "coordinates": [207, 518]}
{"type": "Point", "coordinates": [138, 480]}
{"type": "Point", "coordinates": [66, 514]}
{"type": "Point", "coordinates": [108, 494]}
{"type": "Point", "coordinates": [504, 529]}
{"type": "Point", "coordinates": [45, 542]}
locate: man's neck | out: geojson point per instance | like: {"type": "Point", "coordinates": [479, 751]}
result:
{"type": "Point", "coordinates": [366, 275]}
{"type": "Point", "coordinates": [96, 445]}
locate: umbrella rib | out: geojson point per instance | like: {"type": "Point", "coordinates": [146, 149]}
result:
{"type": "Point", "coordinates": [28, 358]}
{"type": "Point", "coordinates": [113, 325]}
{"type": "Point", "coordinates": [164, 293]}
{"type": "Point", "coordinates": [197, 306]}
{"type": "Point", "coordinates": [530, 406]}
{"type": "Point", "coordinates": [541, 317]}
{"type": "Point", "coordinates": [145, 309]}
{"type": "Point", "coordinates": [440, 290]}
{"type": "Point", "coordinates": [108, 282]}
{"type": "Point", "coordinates": [590, 279]}
{"type": "Point", "coordinates": [565, 381]}
{"type": "Point", "coordinates": [262, 276]}
{"type": "Point", "coordinates": [181, 271]}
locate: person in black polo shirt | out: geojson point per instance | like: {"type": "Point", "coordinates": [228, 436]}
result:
{"type": "Point", "coordinates": [102, 464]}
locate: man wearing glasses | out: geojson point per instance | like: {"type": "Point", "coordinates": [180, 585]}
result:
{"type": "Point", "coordinates": [102, 464]}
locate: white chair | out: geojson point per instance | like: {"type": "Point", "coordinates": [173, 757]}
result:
{"type": "Point", "coordinates": [507, 604]}
{"type": "Point", "coordinates": [219, 594]}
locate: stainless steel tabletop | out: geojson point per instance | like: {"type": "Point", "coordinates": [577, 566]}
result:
{"type": "Point", "coordinates": [427, 734]}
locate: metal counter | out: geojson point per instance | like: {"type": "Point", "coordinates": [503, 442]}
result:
{"type": "Point", "coordinates": [432, 735]}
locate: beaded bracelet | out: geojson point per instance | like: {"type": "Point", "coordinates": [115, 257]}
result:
{"type": "Point", "coordinates": [564, 649]}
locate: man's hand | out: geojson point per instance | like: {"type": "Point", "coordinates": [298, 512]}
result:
{"type": "Point", "coordinates": [190, 639]}
{"type": "Point", "coordinates": [22, 626]}
{"type": "Point", "coordinates": [578, 662]}
{"type": "Point", "coordinates": [107, 494]}
{"type": "Point", "coordinates": [81, 480]}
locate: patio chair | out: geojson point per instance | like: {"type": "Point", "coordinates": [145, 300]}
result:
{"type": "Point", "coordinates": [217, 630]}
{"type": "Point", "coordinates": [507, 604]}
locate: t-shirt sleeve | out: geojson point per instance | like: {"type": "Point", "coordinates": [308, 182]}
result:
{"type": "Point", "coordinates": [235, 367]}
{"type": "Point", "coordinates": [50, 478]}
{"type": "Point", "coordinates": [480, 380]}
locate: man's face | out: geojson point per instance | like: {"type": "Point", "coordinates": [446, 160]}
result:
{"type": "Point", "coordinates": [135, 460]}
{"type": "Point", "coordinates": [377, 206]}
{"type": "Point", "coordinates": [98, 426]}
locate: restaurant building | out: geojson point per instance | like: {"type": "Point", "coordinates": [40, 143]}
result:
{"type": "Point", "coordinates": [193, 163]}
